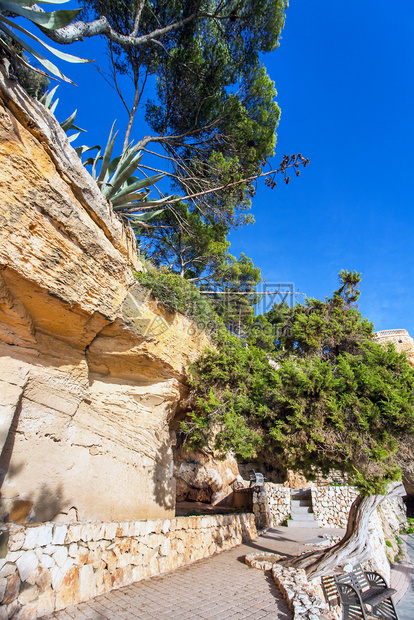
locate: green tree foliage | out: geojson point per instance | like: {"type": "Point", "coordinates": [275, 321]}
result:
{"type": "Point", "coordinates": [261, 333]}
{"type": "Point", "coordinates": [335, 400]}
{"type": "Point", "coordinates": [213, 93]}
{"type": "Point", "coordinates": [236, 296]}
{"type": "Point", "coordinates": [186, 243]}
{"type": "Point", "coordinates": [326, 329]}
{"type": "Point", "coordinates": [178, 295]}
{"type": "Point", "coordinates": [268, 331]}
{"type": "Point", "coordinates": [196, 248]}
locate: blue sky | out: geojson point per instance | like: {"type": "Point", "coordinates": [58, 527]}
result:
{"type": "Point", "coordinates": [344, 75]}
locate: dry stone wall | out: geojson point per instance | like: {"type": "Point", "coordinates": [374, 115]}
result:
{"type": "Point", "coordinates": [331, 504]}
{"type": "Point", "coordinates": [304, 598]}
{"type": "Point", "coordinates": [384, 527]}
{"type": "Point", "coordinates": [271, 504]}
{"type": "Point", "coordinates": [52, 566]}
{"type": "Point", "coordinates": [278, 498]}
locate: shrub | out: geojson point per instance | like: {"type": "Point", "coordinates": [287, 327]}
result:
{"type": "Point", "coordinates": [178, 295]}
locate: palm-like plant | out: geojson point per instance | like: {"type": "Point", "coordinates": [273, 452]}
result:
{"type": "Point", "coordinates": [128, 194]}
{"type": "Point", "coordinates": [45, 21]}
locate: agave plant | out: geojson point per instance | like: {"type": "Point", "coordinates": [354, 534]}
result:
{"type": "Point", "coordinates": [46, 21]}
{"type": "Point", "coordinates": [69, 123]}
{"type": "Point", "coordinates": [127, 193]}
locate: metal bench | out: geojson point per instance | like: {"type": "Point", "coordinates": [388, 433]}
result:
{"type": "Point", "coordinates": [256, 479]}
{"type": "Point", "coordinates": [357, 590]}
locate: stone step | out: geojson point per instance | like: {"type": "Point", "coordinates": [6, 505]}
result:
{"type": "Point", "coordinates": [297, 503]}
{"type": "Point", "coordinates": [303, 516]}
{"type": "Point", "coordinates": [294, 523]}
{"type": "Point", "coordinates": [296, 493]}
{"type": "Point", "coordinates": [300, 510]}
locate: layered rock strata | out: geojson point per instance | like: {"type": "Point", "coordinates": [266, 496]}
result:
{"type": "Point", "coordinates": [91, 368]}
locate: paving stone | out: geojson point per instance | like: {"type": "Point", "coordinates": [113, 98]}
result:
{"type": "Point", "coordinates": [406, 604]}
{"type": "Point", "coordinates": [221, 587]}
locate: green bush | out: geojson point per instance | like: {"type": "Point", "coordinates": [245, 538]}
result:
{"type": "Point", "coordinates": [334, 399]}
{"type": "Point", "coordinates": [178, 295]}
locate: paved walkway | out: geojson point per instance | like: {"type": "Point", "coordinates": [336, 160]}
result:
{"type": "Point", "coordinates": [218, 588]}
{"type": "Point", "coordinates": [403, 581]}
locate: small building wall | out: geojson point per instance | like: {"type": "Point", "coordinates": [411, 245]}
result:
{"type": "Point", "coordinates": [51, 566]}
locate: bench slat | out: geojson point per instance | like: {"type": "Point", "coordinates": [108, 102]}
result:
{"type": "Point", "coordinates": [373, 598]}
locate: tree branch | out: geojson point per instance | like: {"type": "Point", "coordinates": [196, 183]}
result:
{"type": "Point", "coordinates": [84, 30]}
{"type": "Point", "coordinates": [137, 18]}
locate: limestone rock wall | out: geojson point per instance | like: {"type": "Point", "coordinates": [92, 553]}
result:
{"type": "Point", "coordinates": [278, 499]}
{"type": "Point", "coordinates": [91, 368]}
{"type": "Point", "coordinates": [203, 477]}
{"type": "Point", "coordinates": [52, 566]}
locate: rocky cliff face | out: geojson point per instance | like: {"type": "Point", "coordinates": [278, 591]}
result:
{"type": "Point", "coordinates": [201, 476]}
{"type": "Point", "coordinates": [91, 367]}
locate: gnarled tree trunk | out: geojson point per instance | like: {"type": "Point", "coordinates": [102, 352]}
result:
{"type": "Point", "coordinates": [354, 547]}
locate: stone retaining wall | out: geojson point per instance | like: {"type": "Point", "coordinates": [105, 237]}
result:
{"type": "Point", "coordinates": [50, 566]}
{"type": "Point", "coordinates": [331, 504]}
{"type": "Point", "coordinates": [304, 598]}
{"type": "Point", "coordinates": [278, 498]}
{"type": "Point", "coordinates": [271, 504]}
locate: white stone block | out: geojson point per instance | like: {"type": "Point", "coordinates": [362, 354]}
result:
{"type": "Point", "coordinates": [59, 534]}
{"type": "Point", "coordinates": [26, 564]}
{"type": "Point", "coordinates": [50, 549]}
{"type": "Point", "coordinates": [3, 584]}
{"type": "Point", "coordinates": [60, 556]}
{"type": "Point", "coordinates": [58, 572]}
{"type": "Point", "coordinates": [87, 583]}
{"type": "Point", "coordinates": [110, 530]}
{"type": "Point", "coordinates": [38, 536]}
{"type": "Point", "coordinates": [7, 569]}
{"type": "Point", "coordinates": [73, 550]}
{"type": "Point", "coordinates": [165, 547]}
{"type": "Point", "coordinates": [47, 561]}
{"type": "Point", "coordinates": [13, 556]}
{"type": "Point", "coordinates": [150, 527]}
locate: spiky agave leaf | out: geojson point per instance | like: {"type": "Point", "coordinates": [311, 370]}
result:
{"type": "Point", "coordinates": [128, 189]}
{"type": "Point", "coordinates": [67, 124]}
{"type": "Point", "coordinates": [127, 193]}
{"type": "Point", "coordinates": [46, 21]}
{"type": "Point", "coordinates": [106, 159]}
{"type": "Point", "coordinates": [140, 220]}
{"type": "Point", "coordinates": [127, 165]}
